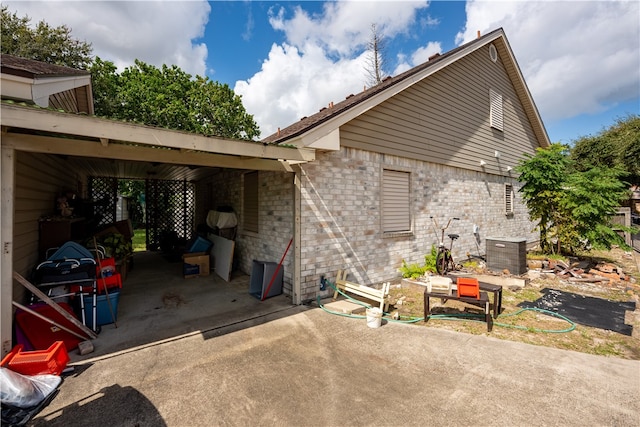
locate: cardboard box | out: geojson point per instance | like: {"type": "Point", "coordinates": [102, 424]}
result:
{"type": "Point", "coordinates": [195, 264]}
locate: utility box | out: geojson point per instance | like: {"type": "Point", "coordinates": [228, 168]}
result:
{"type": "Point", "coordinates": [505, 253]}
{"type": "Point", "coordinates": [262, 275]}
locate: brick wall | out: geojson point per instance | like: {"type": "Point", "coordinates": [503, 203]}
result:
{"type": "Point", "coordinates": [275, 227]}
{"type": "Point", "coordinates": [341, 215]}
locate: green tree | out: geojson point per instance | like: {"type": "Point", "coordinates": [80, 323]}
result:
{"type": "Point", "coordinates": [592, 197]}
{"type": "Point", "coordinates": [43, 43]}
{"type": "Point", "coordinates": [166, 97]}
{"type": "Point", "coordinates": [543, 177]}
{"type": "Point", "coordinates": [169, 97]}
{"type": "Point", "coordinates": [616, 146]}
{"type": "Point", "coordinates": [572, 208]}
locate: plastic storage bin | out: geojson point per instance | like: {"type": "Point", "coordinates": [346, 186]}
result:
{"type": "Point", "coordinates": [468, 287]}
{"type": "Point", "coordinates": [41, 334]}
{"type": "Point", "coordinates": [199, 244]}
{"type": "Point", "coordinates": [261, 274]}
{"type": "Point", "coordinates": [103, 316]}
{"type": "Point", "coordinates": [40, 362]}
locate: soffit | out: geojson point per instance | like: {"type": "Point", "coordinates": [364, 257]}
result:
{"type": "Point", "coordinates": [40, 130]}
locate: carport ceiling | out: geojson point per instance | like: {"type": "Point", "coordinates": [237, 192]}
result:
{"type": "Point", "coordinates": [111, 148]}
{"type": "Point", "coordinates": [138, 170]}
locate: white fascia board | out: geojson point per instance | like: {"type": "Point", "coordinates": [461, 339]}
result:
{"type": "Point", "coordinates": [16, 87]}
{"type": "Point", "coordinates": [71, 124]}
{"type": "Point", "coordinates": [330, 141]}
{"type": "Point", "coordinates": [536, 120]}
{"type": "Point", "coordinates": [44, 87]}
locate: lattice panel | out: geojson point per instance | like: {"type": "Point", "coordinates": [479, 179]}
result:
{"type": "Point", "coordinates": [171, 207]}
{"type": "Point", "coordinates": [104, 192]}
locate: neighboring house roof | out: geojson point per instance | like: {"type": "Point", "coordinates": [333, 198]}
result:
{"type": "Point", "coordinates": [310, 129]}
{"type": "Point", "coordinates": [46, 85]}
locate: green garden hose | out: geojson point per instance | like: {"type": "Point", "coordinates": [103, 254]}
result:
{"type": "Point", "coordinates": [461, 316]}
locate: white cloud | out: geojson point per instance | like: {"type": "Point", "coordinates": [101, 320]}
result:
{"type": "Point", "coordinates": [421, 55]}
{"type": "Point", "coordinates": [156, 32]}
{"type": "Point", "coordinates": [322, 60]}
{"type": "Point", "coordinates": [577, 57]}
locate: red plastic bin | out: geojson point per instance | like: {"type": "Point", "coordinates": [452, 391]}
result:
{"type": "Point", "coordinates": [40, 362]}
{"type": "Point", "coordinates": [468, 287]}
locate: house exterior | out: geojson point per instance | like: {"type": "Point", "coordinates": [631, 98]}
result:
{"type": "Point", "coordinates": [439, 140]}
{"type": "Point", "coordinates": [350, 187]}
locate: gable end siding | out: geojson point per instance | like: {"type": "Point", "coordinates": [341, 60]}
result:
{"type": "Point", "coordinates": [446, 119]}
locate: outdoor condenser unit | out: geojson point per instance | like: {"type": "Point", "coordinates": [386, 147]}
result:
{"type": "Point", "coordinates": [507, 253]}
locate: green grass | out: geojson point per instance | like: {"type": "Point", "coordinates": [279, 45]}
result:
{"type": "Point", "coordinates": [139, 240]}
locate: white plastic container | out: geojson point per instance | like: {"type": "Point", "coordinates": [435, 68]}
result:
{"type": "Point", "coordinates": [374, 317]}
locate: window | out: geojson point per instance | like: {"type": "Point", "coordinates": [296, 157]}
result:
{"type": "Point", "coordinates": [396, 209]}
{"type": "Point", "coordinates": [508, 199]}
{"type": "Point", "coordinates": [251, 202]}
{"type": "Point", "coordinates": [493, 53]}
{"type": "Point", "coordinates": [495, 114]}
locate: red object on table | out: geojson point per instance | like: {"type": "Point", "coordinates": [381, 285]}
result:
{"type": "Point", "coordinates": [468, 287]}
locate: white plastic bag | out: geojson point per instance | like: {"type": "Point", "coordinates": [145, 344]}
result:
{"type": "Point", "coordinates": [24, 391]}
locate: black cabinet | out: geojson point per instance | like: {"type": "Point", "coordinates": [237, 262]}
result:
{"type": "Point", "coordinates": [55, 232]}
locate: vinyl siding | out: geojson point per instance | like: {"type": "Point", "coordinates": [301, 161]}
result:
{"type": "Point", "coordinates": [39, 178]}
{"type": "Point", "coordinates": [445, 119]}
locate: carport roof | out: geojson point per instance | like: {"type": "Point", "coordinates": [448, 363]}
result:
{"type": "Point", "coordinates": [34, 129]}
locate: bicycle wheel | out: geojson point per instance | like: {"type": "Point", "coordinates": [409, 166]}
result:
{"type": "Point", "coordinates": [442, 261]}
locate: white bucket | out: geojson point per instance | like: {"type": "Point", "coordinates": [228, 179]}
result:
{"type": "Point", "coordinates": [374, 317]}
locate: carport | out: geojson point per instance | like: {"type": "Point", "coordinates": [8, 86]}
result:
{"type": "Point", "coordinates": [44, 149]}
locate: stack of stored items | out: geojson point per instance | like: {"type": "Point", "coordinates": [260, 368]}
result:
{"type": "Point", "coordinates": [72, 267]}
{"type": "Point", "coordinates": [29, 380]}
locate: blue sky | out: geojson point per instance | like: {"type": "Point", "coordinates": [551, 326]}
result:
{"type": "Point", "coordinates": [287, 59]}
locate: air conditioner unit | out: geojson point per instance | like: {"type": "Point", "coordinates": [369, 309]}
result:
{"type": "Point", "coordinates": [507, 254]}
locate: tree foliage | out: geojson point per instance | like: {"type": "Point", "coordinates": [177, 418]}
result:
{"type": "Point", "coordinates": [572, 208]}
{"type": "Point", "coordinates": [169, 97]}
{"type": "Point", "coordinates": [617, 146]}
{"type": "Point", "coordinates": [43, 42]}
{"type": "Point", "coordinates": [166, 97]}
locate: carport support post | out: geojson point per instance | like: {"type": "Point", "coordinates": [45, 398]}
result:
{"type": "Point", "coordinates": [7, 174]}
{"type": "Point", "coordinates": [297, 238]}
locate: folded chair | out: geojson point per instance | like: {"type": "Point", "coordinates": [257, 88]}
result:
{"type": "Point", "coordinates": [72, 266]}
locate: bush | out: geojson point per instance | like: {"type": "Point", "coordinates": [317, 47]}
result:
{"type": "Point", "coordinates": [415, 271]}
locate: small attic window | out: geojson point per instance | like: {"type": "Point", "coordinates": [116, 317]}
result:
{"type": "Point", "coordinates": [495, 112]}
{"type": "Point", "coordinates": [493, 53]}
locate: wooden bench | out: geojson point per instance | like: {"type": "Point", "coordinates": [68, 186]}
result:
{"type": "Point", "coordinates": [496, 290]}
{"type": "Point", "coordinates": [378, 295]}
{"type": "Point", "coordinates": [482, 302]}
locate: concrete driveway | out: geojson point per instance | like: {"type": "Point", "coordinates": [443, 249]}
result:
{"type": "Point", "coordinates": [311, 368]}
